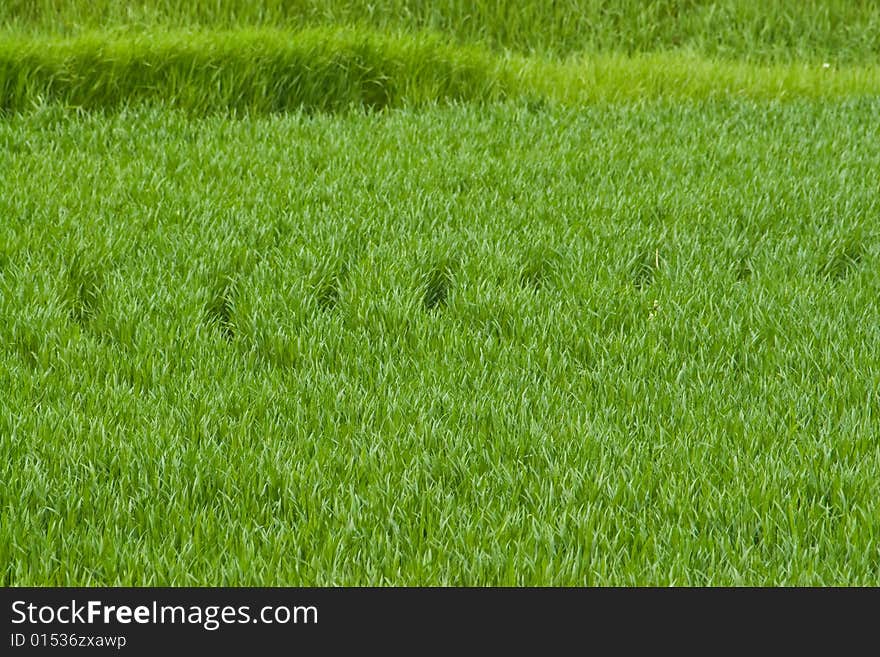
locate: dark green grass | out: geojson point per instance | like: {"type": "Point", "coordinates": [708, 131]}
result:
{"type": "Point", "coordinates": [467, 345]}
{"type": "Point", "coordinates": [756, 30]}
{"type": "Point", "coordinates": [242, 71]}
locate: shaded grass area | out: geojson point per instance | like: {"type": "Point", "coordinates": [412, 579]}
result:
{"type": "Point", "coordinates": [334, 69]}
{"type": "Point", "coordinates": [254, 71]}
{"type": "Point", "coordinates": [470, 345]}
{"type": "Point", "coordinates": [755, 30]}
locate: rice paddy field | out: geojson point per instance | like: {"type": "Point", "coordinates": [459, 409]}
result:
{"type": "Point", "coordinates": [439, 293]}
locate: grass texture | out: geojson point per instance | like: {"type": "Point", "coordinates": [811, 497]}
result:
{"type": "Point", "coordinates": [841, 31]}
{"type": "Point", "coordinates": [501, 344]}
{"type": "Point", "coordinates": [334, 69]}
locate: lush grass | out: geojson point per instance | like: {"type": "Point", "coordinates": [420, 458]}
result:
{"type": "Point", "coordinates": [331, 69]}
{"type": "Point", "coordinates": [788, 30]}
{"type": "Point", "coordinates": [255, 71]}
{"type": "Point", "coordinates": [593, 299]}
{"type": "Point", "coordinates": [499, 344]}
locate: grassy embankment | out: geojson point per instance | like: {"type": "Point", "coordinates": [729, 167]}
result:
{"type": "Point", "coordinates": [335, 69]}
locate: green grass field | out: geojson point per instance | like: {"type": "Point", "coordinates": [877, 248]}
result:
{"type": "Point", "coordinates": [304, 295]}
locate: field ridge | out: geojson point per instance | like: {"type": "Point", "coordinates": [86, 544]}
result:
{"type": "Point", "coordinates": [334, 69]}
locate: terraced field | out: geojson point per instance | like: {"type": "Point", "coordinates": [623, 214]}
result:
{"type": "Point", "coordinates": [301, 294]}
